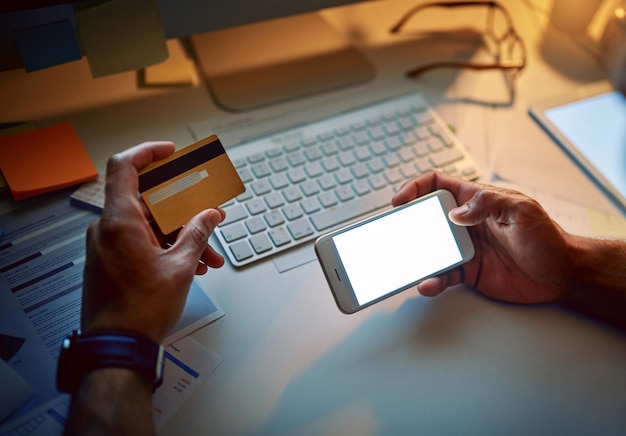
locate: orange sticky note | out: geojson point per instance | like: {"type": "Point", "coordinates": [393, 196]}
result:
{"type": "Point", "coordinates": [44, 160]}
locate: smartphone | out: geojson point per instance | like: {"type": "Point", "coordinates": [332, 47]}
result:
{"type": "Point", "coordinates": [380, 256]}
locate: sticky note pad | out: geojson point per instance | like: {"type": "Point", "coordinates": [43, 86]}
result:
{"type": "Point", "coordinates": [47, 45]}
{"type": "Point", "coordinates": [172, 72]}
{"type": "Point", "coordinates": [200, 176]}
{"type": "Point", "coordinates": [121, 35]}
{"type": "Point", "coordinates": [44, 160]}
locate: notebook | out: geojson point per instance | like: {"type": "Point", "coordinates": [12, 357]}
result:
{"type": "Point", "coordinates": [590, 126]}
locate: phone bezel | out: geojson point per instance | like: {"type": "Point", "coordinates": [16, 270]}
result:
{"type": "Point", "coordinates": [334, 271]}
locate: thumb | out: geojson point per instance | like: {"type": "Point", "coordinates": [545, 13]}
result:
{"type": "Point", "coordinates": [474, 211]}
{"type": "Point", "coordinates": [503, 206]}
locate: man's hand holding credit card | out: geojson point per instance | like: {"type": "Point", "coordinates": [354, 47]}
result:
{"type": "Point", "coordinates": [198, 177]}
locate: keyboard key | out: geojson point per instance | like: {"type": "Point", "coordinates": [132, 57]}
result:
{"type": "Point", "coordinates": [343, 176]}
{"type": "Point", "coordinates": [239, 163]}
{"type": "Point", "coordinates": [291, 147]}
{"type": "Point", "coordinates": [300, 228]}
{"type": "Point", "coordinates": [377, 181]}
{"type": "Point", "coordinates": [274, 218]}
{"type": "Point", "coordinates": [329, 149]}
{"type": "Point", "coordinates": [312, 154]}
{"type": "Point", "coordinates": [377, 133]}
{"type": "Point", "coordinates": [296, 158]}
{"type": "Point", "coordinates": [296, 175]}
{"type": "Point", "coordinates": [313, 169]}
{"type": "Point", "coordinates": [345, 144]}
{"type": "Point", "coordinates": [330, 164]}
{"type": "Point", "coordinates": [362, 154]}
{"type": "Point", "coordinates": [309, 205]}
{"type": "Point", "coordinates": [256, 157]}
{"type": "Point", "coordinates": [344, 193]}
{"type": "Point", "coordinates": [376, 165]}
{"type": "Point", "coordinates": [241, 250]}
{"type": "Point", "coordinates": [393, 175]}
{"type": "Point", "coordinates": [233, 214]}
{"type": "Point", "coordinates": [352, 209]}
{"type": "Point", "coordinates": [327, 199]}
{"type": "Point", "coordinates": [261, 243]}
{"type": "Point", "coordinates": [391, 160]}
{"type": "Point", "coordinates": [234, 232]}
{"type": "Point", "coordinates": [256, 206]}
{"type": "Point", "coordinates": [261, 170]}
{"type": "Point", "coordinates": [274, 200]}
{"type": "Point", "coordinates": [446, 157]}
{"type": "Point", "coordinates": [279, 181]}
{"type": "Point", "coordinates": [255, 225]}
{"type": "Point", "coordinates": [309, 188]}
{"type": "Point", "coordinates": [245, 174]}
{"type": "Point", "coordinates": [292, 211]}
{"type": "Point", "coordinates": [361, 187]}
{"type": "Point", "coordinates": [292, 194]}
{"type": "Point", "coordinates": [360, 170]}
{"type": "Point", "coordinates": [378, 148]}
{"type": "Point", "coordinates": [346, 159]}
{"type": "Point", "coordinates": [309, 142]}
{"type": "Point", "coordinates": [245, 196]}
{"type": "Point", "coordinates": [273, 152]}
{"type": "Point", "coordinates": [326, 182]}
{"type": "Point", "coordinates": [279, 236]}
{"type": "Point", "coordinates": [260, 187]}
{"type": "Point", "coordinates": [278, 164]}
{"type": "Point", "coordinates": [408, 171]}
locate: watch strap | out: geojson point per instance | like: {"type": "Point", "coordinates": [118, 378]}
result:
{"type": "Point", "coordinates": [83, 353]}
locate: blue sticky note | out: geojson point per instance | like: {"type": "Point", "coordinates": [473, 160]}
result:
{"type": "Point", "coordinates": [47, 45]}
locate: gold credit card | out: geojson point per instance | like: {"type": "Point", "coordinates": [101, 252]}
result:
{"type": "Point", "coordinates": [200, 176]}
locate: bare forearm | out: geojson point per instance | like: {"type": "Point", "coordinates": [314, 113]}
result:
{"type": "Point", "coordinates": [596, 280]}
{"type": "Point", "coordinates": [112, 401]}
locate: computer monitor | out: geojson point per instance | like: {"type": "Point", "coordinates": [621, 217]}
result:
{"type": "Point", "coordinates": [252, 53]}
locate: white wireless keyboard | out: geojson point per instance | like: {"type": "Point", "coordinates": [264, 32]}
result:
{"type": "Point", "coordinates": [306, 181]}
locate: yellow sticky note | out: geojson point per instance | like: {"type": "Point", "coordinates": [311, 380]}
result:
{"type": "Point", "coordinates": [171, 73]}
{"type": "Point", "coordinates": [121, 35]}
{"type": "Point", "coordinates": [44, 160]}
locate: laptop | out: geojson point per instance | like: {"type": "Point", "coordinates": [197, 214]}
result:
{"type": "Point", "coordinates": [590, 126]}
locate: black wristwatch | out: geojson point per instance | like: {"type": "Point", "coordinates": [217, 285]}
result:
{"type": "Point", "coordinates": [83, 353]}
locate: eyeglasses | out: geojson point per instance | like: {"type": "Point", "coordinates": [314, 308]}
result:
{"type": "Point", "coordinates": [501, 40]}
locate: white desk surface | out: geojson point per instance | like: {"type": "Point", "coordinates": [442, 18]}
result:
{"type": "Point", "coordinates": [455, 364]}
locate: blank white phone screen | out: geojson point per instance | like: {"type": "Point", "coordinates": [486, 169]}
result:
{"type": "Point", "coordinates": [403, 247]}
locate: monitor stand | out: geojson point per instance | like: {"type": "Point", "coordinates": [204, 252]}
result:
{"type": "Point", "coordinates": [259, 64]}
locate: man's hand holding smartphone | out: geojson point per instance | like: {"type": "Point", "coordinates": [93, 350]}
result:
{"type": "Point", "coordinates": [373, 259]}
{"type": "Point", "coordinates": [522, 256]}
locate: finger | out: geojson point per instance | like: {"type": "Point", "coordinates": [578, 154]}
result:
{"type": "Point", "coordinates": [201, 269]}
{"type": "Point", "coordinates": [192, 241]}
{"type": "Point", "coordinates": [435, 285]}
{"type": "Point", "coordinates": [430, 287]}
{"type": "Point", "coordinates": [142, 155]}
{"type": "Point", "coordinates": [502, 205]}
{"type": "Point", "coordinates": [212, 258]}
{"type": "Point", "coordinates": [122, 168]}
{"type": "Point", "coordinates": [429, 182]}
